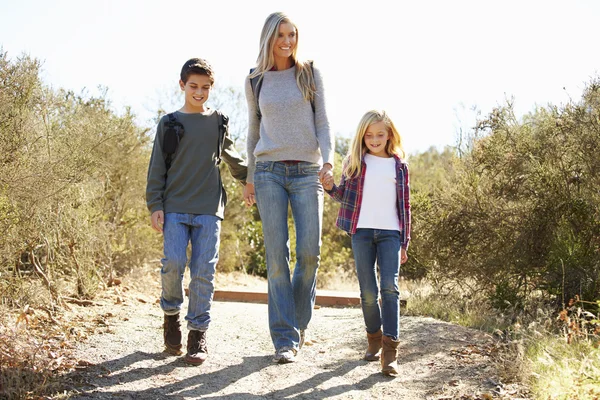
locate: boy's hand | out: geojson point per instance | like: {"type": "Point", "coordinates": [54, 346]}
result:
{"type": "Point", "coordinates": [249, 197]}
{"type": "Point", "coordinates": [403, 256]}
{"type": "Point", "coordinates": [158, 220]}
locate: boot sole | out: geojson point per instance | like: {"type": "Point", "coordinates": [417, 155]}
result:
{"type": "Point", "coordinates": [193, 360]}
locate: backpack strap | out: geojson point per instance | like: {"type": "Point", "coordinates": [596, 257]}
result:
{"type": "Point", "coordinates": [312, 101]}
{"type": "Point", "coordinates": [223, 127]}
{"type": "Point", "coordinates": [177, 126]}
{"type": "Point", "coordinates": [256, 84]}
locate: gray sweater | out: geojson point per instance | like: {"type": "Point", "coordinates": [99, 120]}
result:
{"type": "Point", "coordinates": [288, 129]}
{"type": "Point", "coordinates": [193, 183]}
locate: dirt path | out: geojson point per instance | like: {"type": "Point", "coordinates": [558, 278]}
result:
{"type": "Point", "coordinates": [437, 360]}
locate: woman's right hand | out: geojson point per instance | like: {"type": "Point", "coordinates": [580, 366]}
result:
{"type": "Point", "coordinates": [249, 197]}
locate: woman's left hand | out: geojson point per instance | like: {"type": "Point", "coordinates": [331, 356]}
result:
{"type": "Point", "coordinates": [249, 197]}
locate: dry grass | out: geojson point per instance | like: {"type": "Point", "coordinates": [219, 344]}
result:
{"type": "Point", "coordinates": [34, 351]}
{"type": "Point", "coordinates": [556, 356]}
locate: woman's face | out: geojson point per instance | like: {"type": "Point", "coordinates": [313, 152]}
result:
{"type": "Point", "coordinates": [285, 42]}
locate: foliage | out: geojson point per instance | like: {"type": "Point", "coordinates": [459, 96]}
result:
{"type": "Point", "coordinates": [72, 174]}
{"type": "Point", "coordinates": [521, 210]}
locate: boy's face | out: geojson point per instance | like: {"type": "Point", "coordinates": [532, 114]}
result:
{"type": "Point", "coordinates": [197, 89]}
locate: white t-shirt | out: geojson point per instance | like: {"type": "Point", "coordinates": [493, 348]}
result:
{"type": "Point", "coordinates": [378, 209]}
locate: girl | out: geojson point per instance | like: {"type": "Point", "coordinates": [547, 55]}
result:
{"type": "Point", "coordinates": [289, 149]}
{"type": "Point", "coordinates": [375, 211]}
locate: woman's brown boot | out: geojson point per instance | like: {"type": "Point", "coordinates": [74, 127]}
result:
{"type": "Point", "coordinates": [389, 355]}
{"type": "Point", "coordinates": [373, 351]}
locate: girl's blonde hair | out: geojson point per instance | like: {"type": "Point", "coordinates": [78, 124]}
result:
{"type": "Point", "coordinates": [266, 59]}
{"type": "Point", "coordinates": [358, 148]}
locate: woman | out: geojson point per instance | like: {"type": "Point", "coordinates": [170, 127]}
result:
{"type": "Point", "coordinates": [288, 138]}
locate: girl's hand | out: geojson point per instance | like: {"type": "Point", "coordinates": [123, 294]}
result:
{"type": "Point", "coordinates": [327, 184]}
{"type": "Point", "coordinates": [326, 177]}
{"type": "Point", "coordinates": [403, 256]}
{"type": "Point", "coordinates": [249, 197]}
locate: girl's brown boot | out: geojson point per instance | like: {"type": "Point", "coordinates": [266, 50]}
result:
{"type": "Point", "coordinates": [389, 356]}
{"type": "Point", "coordinates": [373, 351]}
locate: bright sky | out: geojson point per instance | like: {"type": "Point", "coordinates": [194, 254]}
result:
{"type": "Point", "coordinates": [426, 62]}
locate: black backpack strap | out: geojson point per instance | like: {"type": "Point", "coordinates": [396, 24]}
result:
{"type": "Point", "coordinates": [177, 126]}
{"type": "Point", "coordinates": [256, 84]}
{"type": "Point", "coordinates": [223, 127]}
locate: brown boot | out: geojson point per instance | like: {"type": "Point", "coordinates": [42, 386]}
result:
{"type": "Point", "coordinates": [373, 351]}
{"type": "Point", "coordinates": [197, 351]}
{"type": "Point", "coordinates": [389, 356]}
{"type": "Point", "coordinates": [172, 334]}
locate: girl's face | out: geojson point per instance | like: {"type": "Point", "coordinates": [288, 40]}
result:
{"type": "Point", "coordinates": [285, 42]}
{"type": "Point", "coordinates": [376, 138]}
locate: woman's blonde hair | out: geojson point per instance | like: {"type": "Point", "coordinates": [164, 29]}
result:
{"type": "Point", "coordinates": [266, 59]}
{"type": "Point", "coordinates": [358, 148]}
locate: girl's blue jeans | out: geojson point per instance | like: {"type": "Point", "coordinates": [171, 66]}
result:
{"type": "Point", "coordinates": [279, 185]}
{"type": "Point", "coordinates": [374, 248]}
{"type": "Point", "coordinates": [203, 231]}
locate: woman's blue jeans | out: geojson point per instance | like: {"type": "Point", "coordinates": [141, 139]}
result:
{"type": "Point", "coordinates": [203, 231]}
{"type": "Point", "coordinates": [279, 185]}
{"type": "Point", "coordinates": [374, 248]}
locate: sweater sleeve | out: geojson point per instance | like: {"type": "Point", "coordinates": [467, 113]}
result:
{"type": "Point", "coordinates": [253, 130]}
{"type": "Point", "coordinates": [324, 136]}
{"type": "Point", "coordinates": [235, 162]}
{"type": "Point", "coordinates": [157, 170]}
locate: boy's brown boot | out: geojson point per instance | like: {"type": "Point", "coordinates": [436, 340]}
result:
{"type": "Point", "coordinates": [373, 351]}
{"type": "Point", "coordinates": [172, 334]}
{"type": "Point", "coordinates": [389, 356]}
{"type": "Point", "coordinates": [197, 351]}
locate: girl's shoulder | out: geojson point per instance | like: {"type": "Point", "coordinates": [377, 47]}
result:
{"type": "Point", "coordinates": [400, 160]}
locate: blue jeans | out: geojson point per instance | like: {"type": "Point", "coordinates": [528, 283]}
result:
{"type": "Point", "coordinates": [203, 231]}
{"type": "Point", "coordinates": [382, 246]}
{"type": "Point", "coordinates": [291, 301]}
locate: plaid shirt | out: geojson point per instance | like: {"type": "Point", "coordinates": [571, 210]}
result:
{"type": "Point", "coordinates": [349, 194]}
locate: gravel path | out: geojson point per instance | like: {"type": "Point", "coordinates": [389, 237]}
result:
{"type": "Point", "coordinates": [125, 360]}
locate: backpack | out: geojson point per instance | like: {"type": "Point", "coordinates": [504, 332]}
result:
{"type": "Point", "coordinates": [256, 84]}
{"type": "Point", "coordinates": [174, 133]}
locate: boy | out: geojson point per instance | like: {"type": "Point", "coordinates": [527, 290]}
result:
{"type": "Point", "coordinates": [186, 198]}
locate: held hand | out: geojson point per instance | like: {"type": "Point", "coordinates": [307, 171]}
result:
{"type": "Point", "coordinates": [403, 256]}
{"type": "Point", "coordinates": [325, 170]}
{"type": "Point", "coordinates": [249, 197]}
{"type": "Point", "coordinates": [327, 182]}
{"type": "Point", "coordinates": [158, 219]}
{"type": "Point", "coordinates": [326, 177]}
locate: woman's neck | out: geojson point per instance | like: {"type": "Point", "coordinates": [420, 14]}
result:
{"type": "Point", "coordinates": [283, 63]}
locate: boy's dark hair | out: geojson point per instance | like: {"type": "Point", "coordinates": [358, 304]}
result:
{"type": "Point", "coordinates": [197, 66]}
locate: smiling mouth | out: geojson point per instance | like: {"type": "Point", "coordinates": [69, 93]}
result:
{"type": "Point", "coordinates": [198, 98]}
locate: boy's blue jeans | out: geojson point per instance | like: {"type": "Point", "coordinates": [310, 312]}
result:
{"type": "Point", "coordinates": [291, 301]}
{"type": "Point", "coordinates": [382, 246]}
{"type": "Point", "coordinates": [203, 231]}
